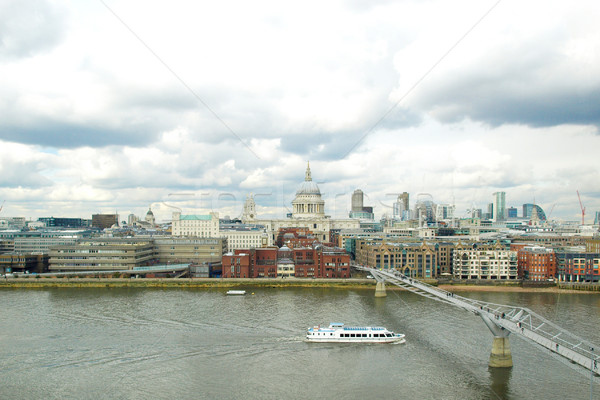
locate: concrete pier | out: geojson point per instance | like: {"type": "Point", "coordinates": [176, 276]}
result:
{"type": "Point", "coordinates": [380, 289]}
{"type": "Point", "coordinates": [501, 357]}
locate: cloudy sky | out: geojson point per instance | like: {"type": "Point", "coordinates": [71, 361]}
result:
{"type": "Point", "coordinates": [118, 105]}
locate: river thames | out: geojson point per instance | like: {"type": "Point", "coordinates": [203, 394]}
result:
{"type": "Point", "coordinates": [106, 343]}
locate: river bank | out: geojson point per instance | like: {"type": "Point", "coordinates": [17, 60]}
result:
{"type": "Point", "coordinates": [239, 283]}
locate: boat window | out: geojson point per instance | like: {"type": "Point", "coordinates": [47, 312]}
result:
{"type": "Point", "coordinates": [352, 335]}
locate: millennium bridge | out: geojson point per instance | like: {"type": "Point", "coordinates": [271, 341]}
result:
{"type": "Point", "coordinates": [502, 320]}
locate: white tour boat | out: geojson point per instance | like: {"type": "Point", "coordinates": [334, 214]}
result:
{"type": "Point", "coordinates": [236, 292]}
{"type": "Point", "coordinates": [337, 332]}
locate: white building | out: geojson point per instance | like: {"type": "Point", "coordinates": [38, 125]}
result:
{"type": "Point", "coordinates": [485, 264]}
{"type": "Point", "coordinates": [245, 236]}
{"type": "Point", "coordinates": [204, 226]}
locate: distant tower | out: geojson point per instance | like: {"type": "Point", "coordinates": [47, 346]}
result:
{"type": "Point", "coordinates": [357, 200]}
{"type": "Point", "coordinates": [358, 209]}
{"type": "Point", "coordinates": [131, 219]}
{"type": "Point", "coordinates": [401, 208]}
{"type": "Point", "coordinates": [249, 213]}
{"type": "Point", "coordinates": [499, 207]}
{"type": "Point", "coordinates": [424, 208]}
{"type": "Point", "coordinates": [490, 211]}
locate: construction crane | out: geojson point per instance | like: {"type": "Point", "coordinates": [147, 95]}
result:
{"type": "Point", "coordinates": [550, 213]}
{"type": "Point", "coordinates": [582, 209]}
{"type": "Point", "coordinates": [2, 205]}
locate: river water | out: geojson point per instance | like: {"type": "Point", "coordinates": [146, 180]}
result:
{"type": "Point", "coordinates": [202, 344]}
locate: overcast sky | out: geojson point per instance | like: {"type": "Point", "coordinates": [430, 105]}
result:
{"type": "Point", "coordinates": [110, 105]}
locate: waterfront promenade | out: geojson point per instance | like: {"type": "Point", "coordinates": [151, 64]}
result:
{"type": "Point", "coordinates": [355, 283]}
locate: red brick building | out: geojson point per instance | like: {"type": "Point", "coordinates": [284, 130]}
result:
{"type": "Point", "coordinates": [236, 265]}
{"type": "Point", "coordinates": [295, 237]}
{"type": "Point", "coordinates": [264, 262]}
{"type": "Point", "coordinates": [536, 263]}
{"type": "Point", "coordinates": [309, 262]}
{"type": "Point", "coordinates": [252, 263]}
{"type": "Point", "coordinates": [335, 263]}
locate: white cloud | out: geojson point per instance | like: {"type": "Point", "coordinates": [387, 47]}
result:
{"type": "Point", "coordinates": [219, 104]}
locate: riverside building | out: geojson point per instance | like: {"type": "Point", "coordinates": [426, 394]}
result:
{"type": "Point", "coordinates": [536, 263]}
{"type": "Point", "coordinates": [488, 264]}
{"type": "Point", "coordinates": [102, 255]}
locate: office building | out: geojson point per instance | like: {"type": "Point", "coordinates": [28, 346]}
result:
{"type": "Point", "coordinates": [499, 209]}
{"type": "Point", "coordinates": [105, 221]}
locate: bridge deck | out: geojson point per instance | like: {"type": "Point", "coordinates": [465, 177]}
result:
{"type": "Point", "coordinates": [507, 319]}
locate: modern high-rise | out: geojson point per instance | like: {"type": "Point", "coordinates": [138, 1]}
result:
{"type": "Point", "coordinates": [528, 209]}
{"type": "Point", "coordinates": [490, 211]}
{"type": "Point", "coordinates": [444, 211]}
{"type": "Point", "coordinates": [357, 200]}
{"type": "Point", "coordinates": [401, 207]}
{"type": "Point", "coordinates": [499, 206]}
{"type": "Point", "coordinates": [358, 209]}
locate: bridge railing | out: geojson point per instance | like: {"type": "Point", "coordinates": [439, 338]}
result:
{"type": "Point", "coordinates": [519, 320]}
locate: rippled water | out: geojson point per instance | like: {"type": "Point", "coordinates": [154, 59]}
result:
{"type": "Point", "coordinates": [202, 344]}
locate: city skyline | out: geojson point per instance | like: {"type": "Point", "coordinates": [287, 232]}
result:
{"type": "Point", "coordinates": [106, 108]}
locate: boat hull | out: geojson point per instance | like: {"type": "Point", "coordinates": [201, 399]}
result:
{"type": "Point", "coordinates": [338, 333]}
{"type": "Point", "coordinates": [357, 340]}
{"type": "Point", "coordinates": [236, 292]}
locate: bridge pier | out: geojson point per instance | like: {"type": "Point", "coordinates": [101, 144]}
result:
{"type": "Point", "coordinates": [380, 289]}
{"type": "Point", "coordinates": [500, 357]}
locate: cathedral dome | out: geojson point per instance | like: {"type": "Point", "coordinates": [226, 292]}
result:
{"type": "Point", "coordinates": [308, 202]}
{"type": "Point", "coordinates": [308, 186]}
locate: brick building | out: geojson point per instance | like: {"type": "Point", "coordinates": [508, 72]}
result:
{"type": "Point", "coordinates": [536, 263]}
{"type": "Point", "coordinates": [295, 237]}
{"type": "Point", "coordinates": [251, 263]}
{"type": "Point", "coordinates": [103, 221]}
{"type": "Point", "coordinates": [419, 260]}
{"type": "Point", "coordinates": [303, 262]}
{"type": "Point", "coordinates": [578, 267]}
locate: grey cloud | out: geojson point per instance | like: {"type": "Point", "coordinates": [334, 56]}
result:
{"type": "Point", "coordinates": [497, 107]}
{"type": "Point", "coordinates": [29, 27]}
{"type": "Point", "coordinates": [61, 134]}
{"type": "Point", "coordinates": [321, 145]}
{"type": "Point", "coordinates": [531, 84]}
